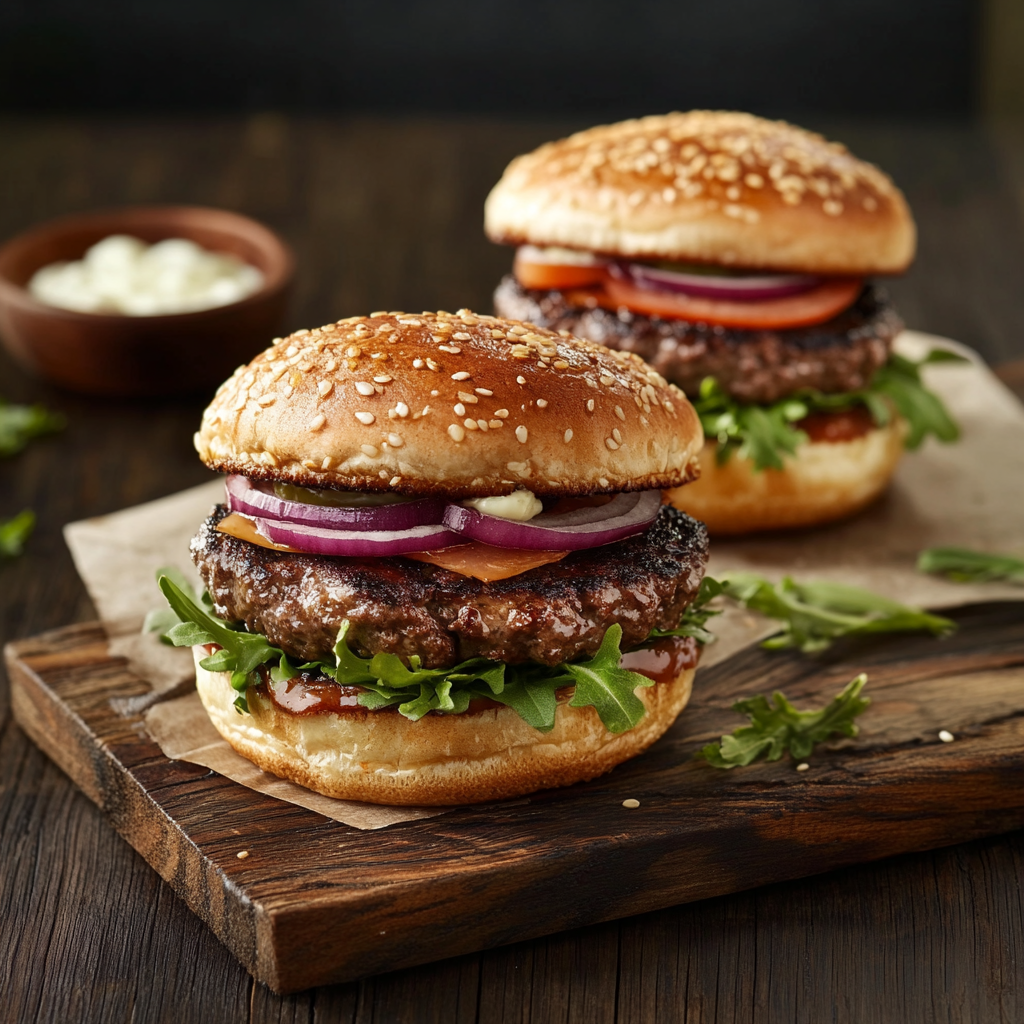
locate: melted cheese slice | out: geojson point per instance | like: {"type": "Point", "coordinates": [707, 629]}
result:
{"type": "Point", "coordinates": [484, 562]}
{"type": "Point", "coordinates": [481, 561]}
{"type": "Point", "coordinates": [242, 527]}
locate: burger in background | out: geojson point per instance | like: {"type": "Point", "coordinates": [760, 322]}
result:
{"type": "Point", "coordinates": [733, 254]}
{"type": "Point", "coordinates": [443, 572]}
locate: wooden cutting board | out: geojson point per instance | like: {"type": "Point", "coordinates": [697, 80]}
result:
{"type": "Point", "coordinates": [317, 901]}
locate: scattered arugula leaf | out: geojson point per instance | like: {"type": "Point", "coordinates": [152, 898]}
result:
{"type": "Point", "coordinates": [765, 434]}
{"type": "Point", "coordinates": [774, 729]}
{"type": "Point", "coordinates": [20, 423]}
{"type": "Point", "coordinates": [15, 532]}
{"type": "Point", "coordinates": [815, 614]}
{"type": "Point", "coordinates": [966, 566]}
{"type": "Point", "coordinates": [530, 690]}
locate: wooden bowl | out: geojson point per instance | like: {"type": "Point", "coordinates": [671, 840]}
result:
{"type": "Point", "coordinates": [115, 355]}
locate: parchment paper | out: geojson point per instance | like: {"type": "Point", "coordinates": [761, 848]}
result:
{"type": "Point", "coordinates": [970, 494]}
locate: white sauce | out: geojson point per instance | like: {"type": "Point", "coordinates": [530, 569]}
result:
{"type": "Point", "coordinates": [122, 274]}
{"type": "Point", "coordinates": [557, 255]}
{"type": "Point", "coordinates": [520, 505]}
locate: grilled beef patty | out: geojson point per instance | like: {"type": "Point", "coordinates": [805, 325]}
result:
{"type": "Point", "coordinates": [550, 614]}
{"type": "Point", "coordinates": [763, 366]}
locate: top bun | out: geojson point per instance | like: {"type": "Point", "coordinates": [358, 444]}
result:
{"type": "Point", "coordinates": [709, 187]}
{"type": "Point", "coordinates": [463, 405]}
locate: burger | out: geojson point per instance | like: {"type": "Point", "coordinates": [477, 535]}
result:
{"type": "Point", "coordinates": [735, 255]}
{"type": "Point", "coordinates": [443, 571]}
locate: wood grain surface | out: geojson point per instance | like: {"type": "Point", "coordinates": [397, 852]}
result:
{"type": "Point", "coordinates": [315, 901]}
{"type": "Point", "coordinates": [385, 213]}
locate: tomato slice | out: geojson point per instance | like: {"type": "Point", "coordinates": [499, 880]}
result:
{"type": "Point", "coordinates": [485, 562]}
{"type": "Point", "coordinates": [811, 307]}
{"type": "Point", "coordinates": [557, 276]}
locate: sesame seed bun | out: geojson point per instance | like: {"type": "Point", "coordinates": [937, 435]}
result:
{"type": "Point", "coordinates": [381, 757]}
{"type": "Point", "coordinates": [707, 186]}
{"type": "Point", "coordinates": [463, 405]}
{"type": "Point", "coordinates": [825, 481]}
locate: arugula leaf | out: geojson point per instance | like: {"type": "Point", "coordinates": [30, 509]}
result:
{"type": "Point", "coordinates": [243, 652]}
{"type": "Point", "coordinates": [20, 423]}
{"type": "Point", "coordinates": [15, 532]}
{"type": "Point", "coordinates": [602, 684]}
{"type": "Point", "coordinates": [774, 729]}
{"type": "Point", "coordinates": [815, 614]}
{"type": "Point", "coordinates": [966, 566]}
{"type": "Point", "coordinates": [766, 434]}
{"type": "Point", "coordinates": [696, 615]}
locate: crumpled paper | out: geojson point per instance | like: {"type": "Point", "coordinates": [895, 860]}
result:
{"type": "Point", "coordinates": [969, 494]}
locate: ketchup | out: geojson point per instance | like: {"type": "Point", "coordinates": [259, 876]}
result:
{"type": "Point", "coordinates": [833, 427]}
{"type": "Point", "coordinates": [664, 660]}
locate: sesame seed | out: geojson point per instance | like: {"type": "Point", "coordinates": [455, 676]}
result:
{"type": "Point", "coordinates": [502, 414]}
{"type": "Point", "coordinates": [521, 434]}
{"type": "Point", "coordinates": [802, 766]}
{"type": "Point", "coordinates": [560, 364]}
{"type": "Point", "coordinates": [520, 380]}
{"type": "Point", "coordinates": [606, 380]}
{"type": "Point", "coordinates": [266, 400]}
{"type": "Point", "coordinates": [459, 410]}
{"type": "Point", "coordinates": [455, 432]}
{"type": "Point", "coordinates": [395, 481]}
{"type": "Point", "coordinates": [402, 409]}
{"type": "Point", "coordinates": [383, 379]}
{"type": "Point", "coordinates": [617, 435]}
{"type": "Point", "coordinates": [317, 421]}
{"type": "Point", "coordinates": [452, 349]}
{"type": "Point", "coordinates": [395, 440]}
{"type": "Point", "coordinates": [326, 464]}
{"type": "Point", "coordinates": [542, 403]}
{"type": "Point", "coordinates": [417, 364]}
{"type": "Point", "coordinates": [590, 405]}
{"type": "Point", "coordinates": [462, 336]}
{"type": "Point", "coordinates": [946, 736]}
{"type": "Point", "coordinates": [353, 352]}
{"type": "Point", "coordinates": [619, 412]}
{"type": "Point", "coordinates": [366, 418]}
{"type": "Point", "coordinates": [482, 424]}
{"type": "Point", "coordinates": [484, 392]}
{"type": "Point", "coordinates": [631, 804]}
{"type": "Point", "coordinates": [603, 481]}
{"type": "Point", "coordinates": [611, 443]}
{"type": "Point", "coordinates": [324, 387]}
{"type": "Point", "coordinates": [242, 854]}
{"type": "Point", "coordinates": [465, 396]}
{"type": "Point", "coordinates": [369, 449]}
{"type": "Point", "coordinates": [567, 437]}
{"type": "Point", "coordinates": [494, 424]}
{"type": "Point", "coordinates": [469, 424]}
{"type": "Point", "coordinates": [461, 375]}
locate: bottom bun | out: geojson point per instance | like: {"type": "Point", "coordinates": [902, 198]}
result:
{"type": "Point", "coordinates": [381, 757]}
{"type": "Point", "coordinates": [826, 480]}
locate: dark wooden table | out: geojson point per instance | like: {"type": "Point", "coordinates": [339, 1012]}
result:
{"type": "Point", "coordinates": [387, 214]}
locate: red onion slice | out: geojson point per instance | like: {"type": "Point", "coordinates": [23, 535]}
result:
{"type": "Point", "coordinates": [750, 288]}
{"type": "Point", "coordinates": [623, 516]}
{"type": "Point", "coordinates": [358, 543]}
{"type": "Point", "coordinates": [245, 497]}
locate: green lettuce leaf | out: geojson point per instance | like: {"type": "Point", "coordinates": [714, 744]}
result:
{"type": "Point", "coordinates": [695, 617]}
{"type": "Point", "coordinates": [966, 566]}
{"type": "Point", "coordinates": [815, 614]}
{"type": "Point", "coordinates": [766, 434]}
{"type": "Point", "coordinates": [780, 727]}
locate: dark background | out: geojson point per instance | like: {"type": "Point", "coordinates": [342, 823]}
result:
{"type": "Point", "coordinates": [891, 58]}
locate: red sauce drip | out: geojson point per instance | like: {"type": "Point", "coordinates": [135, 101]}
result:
{"type": "Point", "coordinates": [665, 660]}
{"type": "Point", "coordinates": [833, 427]}
{"type": "Point", "coordinates": [308, 694]}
